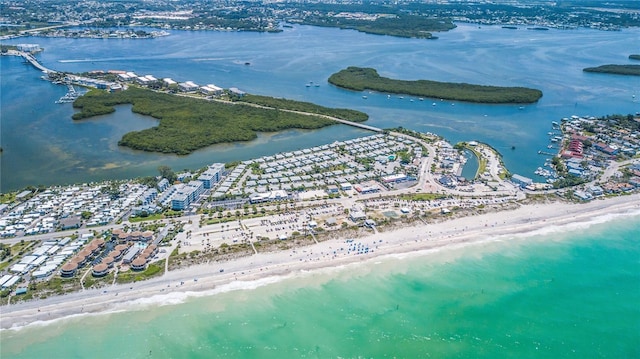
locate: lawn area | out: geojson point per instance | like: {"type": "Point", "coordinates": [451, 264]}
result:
{"type": "Point", "coordinates": [151, 217]}
{"type": "Point", "coordinates": [153, 270]}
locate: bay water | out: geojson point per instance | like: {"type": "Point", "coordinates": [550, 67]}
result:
{"type": "Point", "coordinates": [43, 145]}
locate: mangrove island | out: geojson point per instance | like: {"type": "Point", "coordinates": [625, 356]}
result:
{"type": "Point", "coordinates": [359, 79]}
{"type": "Point", "coordinates": [187, 124]}
{"type": "Point", "coordinates": [632, 70]}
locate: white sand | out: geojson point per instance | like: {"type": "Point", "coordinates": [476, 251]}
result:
{"type": "Point", "coordinates": [263, 267]}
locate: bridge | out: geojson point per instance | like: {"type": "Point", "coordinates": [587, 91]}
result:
{"type": "Point", "coordinates": [357, 124]}
{"type": "Point", "coordinates": [345, 122]}
{"type": "Point", "coordinates": [34, 62]}
{"type": "Point", "coordinates": [28, 57]}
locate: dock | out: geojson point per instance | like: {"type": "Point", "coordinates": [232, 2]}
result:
{"type": "Point", "coordinates": [546, 153]}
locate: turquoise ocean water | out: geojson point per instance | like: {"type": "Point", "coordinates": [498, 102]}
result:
{"type": "Point", "coordinates": [572, 293]}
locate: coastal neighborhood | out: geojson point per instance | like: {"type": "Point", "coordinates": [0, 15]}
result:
{"type": "Point", "coordinates": [105, 230]}
{"type": "Point", "coordinates": [233, 179]}
{"type": "Point", "coordinates": [112, 230]}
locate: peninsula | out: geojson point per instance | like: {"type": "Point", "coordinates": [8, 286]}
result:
{"type": "Point", "coordinates": [632, 70]}
{"type": "Point", "coordinates": [188, 124]}
{"type": "Point", "coordinates": [108, 244]}
{"type": "Point", "coordinates": [359, 79]}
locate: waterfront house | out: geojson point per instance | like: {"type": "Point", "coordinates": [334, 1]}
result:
{"type": "Point", "coordinates": [188, 86]}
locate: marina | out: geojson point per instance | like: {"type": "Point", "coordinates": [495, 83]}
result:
{"type": "Point", "coordinates": [70, 96]}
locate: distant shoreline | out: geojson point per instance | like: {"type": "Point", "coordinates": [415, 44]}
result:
{"type": "Point", "coordinates": [248, 272]}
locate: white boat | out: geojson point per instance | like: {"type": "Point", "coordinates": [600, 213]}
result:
{"type": "Point", "coordinates": [364, 97]}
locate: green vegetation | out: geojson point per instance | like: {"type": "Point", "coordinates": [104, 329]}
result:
{"type": "Point", "coordinates": [359, 79]}
{"type": "Point", "coordinates": [633, 70]}
{"type": "Point", "coordinates": [422, 197]}
{"type": "Point", "coordinates": [6, 48]}
{"type": "Point", "coordinates": [168, 173]}
{"type": "Point", "coordinates": [634, 57]}
{"type": "Point", "coordinates": [401, 25]}
{"type": "Point", "coordinates": [8, 197]}
{"type": "Point", "coordinates": [187, 124]}
{"type": "Point", "coordinates": [292, 105]}
{"type": "Point", "coordinates": [148, 217]}
{"type": "Point", "coordinates": [153, 270]}
{"type": "Point", "coordinates": [482, 161]}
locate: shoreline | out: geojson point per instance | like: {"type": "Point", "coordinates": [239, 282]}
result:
{"type": "Point", "coordinates": [266, 268]}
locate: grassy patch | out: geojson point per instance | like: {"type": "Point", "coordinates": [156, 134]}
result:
{"type": "Point", "coordinates": [153, 270]}
{"type": "Point", "coordinates": [151, 217]}
{"type": "Point", "coordinates": [422, 197]}
{"type": "Point", "coordinates": [7, 197]}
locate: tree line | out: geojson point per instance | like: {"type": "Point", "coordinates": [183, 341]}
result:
{"type": "Point", "coordinates": [359, 79]}
{"type": "Point", "coordinates": [188, 124]}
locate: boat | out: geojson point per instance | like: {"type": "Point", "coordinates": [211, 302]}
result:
{"type": "Point", "coordinates": [364, 97]}
{"type": "Point", "coordinates": [521, 108]}
{"type": "Point", "coordinates": [421, 99]}
{"type": "Point", "coordinates": [433, 104]}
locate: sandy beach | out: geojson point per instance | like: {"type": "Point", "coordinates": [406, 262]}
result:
{"type": "Point", "coordinates": [252, 271]}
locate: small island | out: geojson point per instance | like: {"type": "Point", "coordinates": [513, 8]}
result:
{"type": "Point", "coordinates": [187, 124]}
{"type": "Point", "coordinates": [359, 79]}
{"type": "Point", "coordinates": [631, 70]}
{"type": "Point", "coordinates": [410, 26]}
